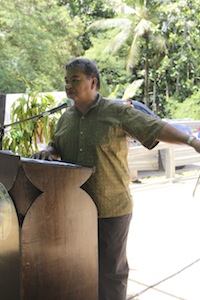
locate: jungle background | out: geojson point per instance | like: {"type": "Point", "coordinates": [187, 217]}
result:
{"type": "Point", "coordinates": [146, 50]}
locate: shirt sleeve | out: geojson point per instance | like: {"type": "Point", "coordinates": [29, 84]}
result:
{"type": "Point", "coordinates": [142, 127]}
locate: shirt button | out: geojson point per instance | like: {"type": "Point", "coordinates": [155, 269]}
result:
{"type": "Point", "coordinates": [83, 118]}
{"type": "Point", "coordinates": [81, 132]}
{"type": "Point", "coordinates": [81, 149]}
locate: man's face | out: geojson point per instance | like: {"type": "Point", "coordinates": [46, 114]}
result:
{"type": "Point", "coordinates": [78, 86]}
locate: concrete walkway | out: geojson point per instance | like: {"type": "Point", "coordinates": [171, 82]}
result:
{"type": "Point", "coordinates": [164, 241]}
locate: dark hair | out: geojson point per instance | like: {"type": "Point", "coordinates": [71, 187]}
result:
{"type": "Point", "coordinates": [87, 66]}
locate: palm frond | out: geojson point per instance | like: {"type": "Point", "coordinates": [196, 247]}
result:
{"type": "Point", "coordinates": [118, 41]}
{"type": "Point", "coordinates": [134, 54]}
{"type": "Point", "coordinates": [123, 8]}
{"type": "Point", "coordinates": [110, 23]}
{"type": "Point", "coordinates": [132, 89]}
{"type": "Point", "coordinates": [143, 27]}
{"type": "Point", "coordinates": [114, 93]}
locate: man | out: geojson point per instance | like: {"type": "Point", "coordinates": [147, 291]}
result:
{"type": "Point", "coordinates": [94, 132]}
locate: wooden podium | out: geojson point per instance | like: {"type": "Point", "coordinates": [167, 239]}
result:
{"type": "Point", "coordinates": [48, 231]}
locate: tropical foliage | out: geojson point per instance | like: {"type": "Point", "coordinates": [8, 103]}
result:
{"type": "Point", "coordinates": [190, 108]}
{"type": "Point", "coordinates": [36, 40]}
{"type": "Point", "coordinates": [155, 42]}
{"type": "Point", "coordinates": [31, 128]}
{"type": "Point", "coordinates": [141, 32]}
{"type": "Point", "coordinates": [160, 39]}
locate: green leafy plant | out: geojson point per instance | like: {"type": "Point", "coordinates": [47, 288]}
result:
{"type": "Point", "coordinates": [27, 137]}
{"type": "Point", "coordinates": [190, 108]}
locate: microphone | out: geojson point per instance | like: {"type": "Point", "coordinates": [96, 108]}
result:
{"type": "Point", "coordinates": [68, 103]}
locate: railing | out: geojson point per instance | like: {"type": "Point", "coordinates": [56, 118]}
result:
{"type": "Point", "coordinates": [163, 156]}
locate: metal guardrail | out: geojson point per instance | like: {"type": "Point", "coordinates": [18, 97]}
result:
{"type": "Point", "coordinates": [163, 156]}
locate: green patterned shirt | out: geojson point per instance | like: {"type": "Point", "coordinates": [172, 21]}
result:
{"type": "Point", "coordinates": [99, 139]}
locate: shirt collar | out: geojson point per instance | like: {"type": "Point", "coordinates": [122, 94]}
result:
{"type": "Point", "coordinates": [95, 103]}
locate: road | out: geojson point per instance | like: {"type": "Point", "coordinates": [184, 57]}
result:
{"type": "Point", "coordinates": [164, 244]}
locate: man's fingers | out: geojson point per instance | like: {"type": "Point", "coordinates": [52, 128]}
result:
{"type": "Point", "coordinates": [43, 155]}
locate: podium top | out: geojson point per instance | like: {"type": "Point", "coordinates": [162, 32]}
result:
{"type": "Point", "coordinates": [11, 164]}
{"type": "Point", "coordinates": [54, 162]}
{"type": "Point", "coordinates": [47, 162]}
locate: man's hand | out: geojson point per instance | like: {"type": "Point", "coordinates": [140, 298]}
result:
{"type": "Point", "coordinates": [45, 155]}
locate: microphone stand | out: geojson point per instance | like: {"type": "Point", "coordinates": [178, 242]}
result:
{"type": "Point", "coordinates": [39, 116]}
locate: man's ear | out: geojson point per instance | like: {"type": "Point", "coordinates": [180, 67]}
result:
{"type": "Point", "coordinates": [94, 82]}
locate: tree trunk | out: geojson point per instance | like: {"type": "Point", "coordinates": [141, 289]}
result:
{"type": "Point", "coordinates": [147, 74]}
{"type": "Point", "coordinates": [154, 108]}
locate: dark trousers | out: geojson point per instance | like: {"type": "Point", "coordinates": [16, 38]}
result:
{"type": "Point", "coordinates": [113, 265]}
